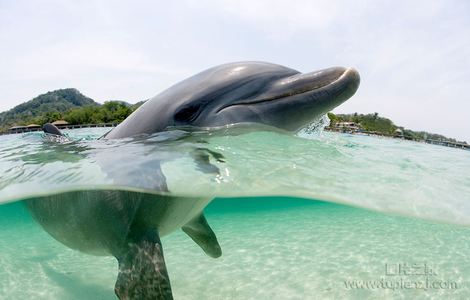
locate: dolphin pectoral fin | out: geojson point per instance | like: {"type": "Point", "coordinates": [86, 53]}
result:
{"type": "Point", "coordinates": [142, 270]}
{"type": "Point", "coordinates": [219, 157]}
{"type": "Point", "coordinates": [200, 232]}
{"type": "Point", "coordinates": [202, 159]}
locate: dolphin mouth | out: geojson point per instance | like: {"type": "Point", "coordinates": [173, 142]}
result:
{"type": "Point", "coordinates": [329, 83]}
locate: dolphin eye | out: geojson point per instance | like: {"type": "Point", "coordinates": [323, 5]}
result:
{"type": "Point", "coordinates": [187, 113]}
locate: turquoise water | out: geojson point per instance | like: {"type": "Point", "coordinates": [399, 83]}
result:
{"type": "Point", "coordinates": [385, 204]}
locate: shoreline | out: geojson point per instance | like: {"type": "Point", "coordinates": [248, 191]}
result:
{"type": "Point", "coordinates": [330, 129]}
{"type": "Point", "coordinates": [378, 134]}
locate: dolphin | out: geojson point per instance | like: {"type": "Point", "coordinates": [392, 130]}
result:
{"type": "Point", "coordinates": [243, 92]}
{"type": "Point", "coordinates": [129, 225]}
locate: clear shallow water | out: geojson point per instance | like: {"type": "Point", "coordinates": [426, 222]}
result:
{"type": "Point", "coordinates": [274, 248]}
{"type": "Point", "coordinates": [388, 175]}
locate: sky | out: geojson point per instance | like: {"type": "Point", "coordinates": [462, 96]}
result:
{"type": "Point", "coordinates": [413, 56]}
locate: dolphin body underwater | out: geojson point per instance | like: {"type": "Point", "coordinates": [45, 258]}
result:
{"type": "Point", "coordinates": [129, 225]}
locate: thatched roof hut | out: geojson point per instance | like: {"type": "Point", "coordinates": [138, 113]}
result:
{"type": "Point", "coordinates": [16, 129]}
{"type": "Point", "coordinates": [60, 123]}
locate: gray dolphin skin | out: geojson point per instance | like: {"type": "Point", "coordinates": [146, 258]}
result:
{"type": "Point", "coordinates": [128, 225]}
{"type": "Point", "coordinates": [51, 129]}
{"type": "Point", "coordinates": [253, 92]}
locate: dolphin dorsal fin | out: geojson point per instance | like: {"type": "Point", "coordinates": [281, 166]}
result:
{"type": "Point", "coordinates": [51, 129]}
{"type": "Point", "coordinates": [200, 232]}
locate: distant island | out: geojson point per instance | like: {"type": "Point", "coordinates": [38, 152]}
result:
{"type": "Point", "coordinates": [376, 125]}
{"type": "Point", "coordinates": [69, 107]}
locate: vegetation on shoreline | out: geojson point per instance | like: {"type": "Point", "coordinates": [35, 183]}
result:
{"type": "Point", "coordinates": [377, 124]}
{"type": "Point", "coordinates": [65, 104]}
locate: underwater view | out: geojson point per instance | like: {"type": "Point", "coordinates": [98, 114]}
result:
{"type": "Point", "coordinates": [317, 215]}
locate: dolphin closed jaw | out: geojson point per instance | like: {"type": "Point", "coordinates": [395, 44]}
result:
{"type": "Point", "coordinates": [338, 78]}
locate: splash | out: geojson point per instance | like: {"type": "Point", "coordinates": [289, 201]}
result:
{"type": "Point", "coordinates": [316, 128]}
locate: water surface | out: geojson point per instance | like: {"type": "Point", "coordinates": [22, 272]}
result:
{"type": "Point", "coordinates": [353, 206]}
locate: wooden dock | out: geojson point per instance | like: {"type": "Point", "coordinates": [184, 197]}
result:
{"type": "Point", "coordinates": [448, 144]}
{"type": "Point", "coordinates": [68, 126]}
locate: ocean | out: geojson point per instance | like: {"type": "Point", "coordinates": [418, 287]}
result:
{"type": "Point", "coordinates": [317, 215]}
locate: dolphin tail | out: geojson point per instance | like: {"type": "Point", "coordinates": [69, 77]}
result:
{"type": "Point", "coordinates": [142, 270]}
{"type": "Point", "coordinates": [51, 129]}
{"type": "Point", "coordinates": [199, 230]}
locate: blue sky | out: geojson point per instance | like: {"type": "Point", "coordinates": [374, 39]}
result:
{"type": "Point", "coordinates": [413, 56]}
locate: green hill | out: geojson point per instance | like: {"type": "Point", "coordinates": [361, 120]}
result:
{"type": "Point", "coordinates": [69, 105]}
{"type": "Point", "coordinates": [46, 106]}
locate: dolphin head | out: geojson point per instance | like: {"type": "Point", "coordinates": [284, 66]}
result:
{"type": "Point", "coordinates": [244, 92]}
